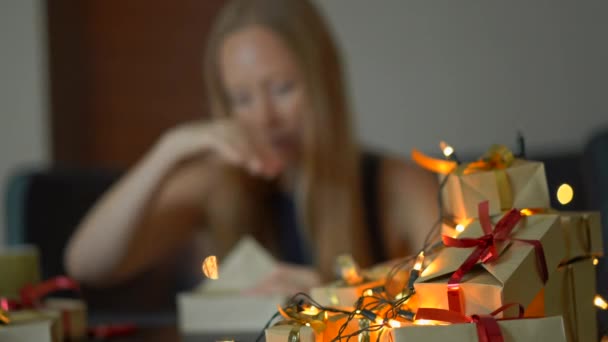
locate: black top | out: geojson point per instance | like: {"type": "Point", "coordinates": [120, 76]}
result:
{"type": "Point", "coordinates": [293, 246]}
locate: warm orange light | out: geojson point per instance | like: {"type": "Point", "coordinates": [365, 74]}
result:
{"type": "Point", "coordinates": [596, 261]}
{"type": "Point", "coordinates": [307, 324]}
{"type": "Point", "coordinates": [311, 310]}
{"type": "Point", "coordinates": [394, 323]}
{"type": "Point", "coordinates": [600, 302]}
{"type": "Point", "coordinates": [423, 322]}
{"type": "Point", "coordinates": [446, 149]}
{"type": "Point", "coordinates": [460, 228]}
{"type": "Point", "coordinates": [419, 261]}
{"type": "Point", "coordinates": [4, 318]}
{"type": "Point", "coordinates": [368, 292]}
{"type": "Point", "coordinates": [564, 194]}
{"type": "Point", "coordinates": [210, 269]}
{"type": "Point", "coordinates": [526, 212]}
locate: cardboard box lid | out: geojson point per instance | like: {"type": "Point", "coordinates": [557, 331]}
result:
{"type": "Point", "coordinates": [532, 228]}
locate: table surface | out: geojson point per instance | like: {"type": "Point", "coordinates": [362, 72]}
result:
{"type": "Point", "coordinates": [170, 333]}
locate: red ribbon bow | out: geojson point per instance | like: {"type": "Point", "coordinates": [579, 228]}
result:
{"type": "Point", "coordinates": [488, 329]}
{"type": "Point", "coordinates": [486, 250]}
{"type": "Point", "coordinates": [30, 295]}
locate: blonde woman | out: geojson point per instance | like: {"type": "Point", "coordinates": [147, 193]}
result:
{"type": "Point", "coordinates": [278, 160]}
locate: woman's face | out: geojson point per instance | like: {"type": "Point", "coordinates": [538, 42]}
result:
{"type": "Point", "coordinates": [265, 88]}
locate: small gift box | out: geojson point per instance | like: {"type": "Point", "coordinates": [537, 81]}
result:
{"type": "Point", "coordinates": [570, 293]}
{"type": "Point", "coordinates": [582, 234]}
{"type": "Point", "coordinates": [32, 325]}
{"type": "Point", "coordinates": [292, 332]}
{"type": "Point", "coordinates": [73, 315]}
{"type": "Point", "coordinates": [20, 266]}
{"type": "Point", "coordinates": [485, 268]}
{"type": "Point", "coordinates": [499, 178]}
{"type": "Point", "coordinates": [243, 268]}
{"type": "Point", "coordinates": [479, 328]}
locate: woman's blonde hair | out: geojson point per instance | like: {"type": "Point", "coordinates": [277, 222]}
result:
{"type": "Point", "coordinates": [328, 195]}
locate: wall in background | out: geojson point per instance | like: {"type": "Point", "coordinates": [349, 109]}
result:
{"type": "Point", "coordinates": [23, 92]}
{"type": "Point", "coordinates": [473, 73]}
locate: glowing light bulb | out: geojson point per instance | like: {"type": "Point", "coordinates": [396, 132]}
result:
{"type": "Point", "coordinates": [565, 193]}
{"type": "Point", "coordinates": [460, 228]}
{"type": "Point", "coordinates": [419, 261]}
{"type": "Point", "coordinates": [210, 267]}
{"type": "Point", "coordinates": [596, 261]}
{"type": "Point", "coordinates": [600, 302]}
{"type": "Point", "coordinates": [526, 212]}
{"type": "Point", "coordinates": [446, 149]}
{"type": "Point", "coordinates": [307, 324]}
{"type": "Point", "coordinates": [394, 323]}
{"type": "Point", "coordinates": [311, 310]}
{"type": "Point", "coordinates": [368, 293]}
{"type": "Point", "coordinates": [423, 322]}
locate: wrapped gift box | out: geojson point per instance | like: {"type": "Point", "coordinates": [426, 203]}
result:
{"type": "Point", "coordinates": [219, 305]}
{"type": "Point", "coordinates": [73, 313]}
{"type": "Point", "coordinates": [287, 333]}
{"type": "Point", "coordinates": [525, 186]}
{"type": "Point", "coordinates": [512, 278]}
{"type": "Point", "coordinates": [570, 293]}
{"type": "Point", "coordinates": [20, 266]}
{"type": "Point", "coordinates": [33, 325]}
{"type": "Point", "coordinates": [582, 234]}
{"type": "Point", "coordinates": [340, 295]}
{"type": "Point", "coordinates": [515, 330]}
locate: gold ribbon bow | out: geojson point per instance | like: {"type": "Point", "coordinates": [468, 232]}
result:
{"type": "Point", "coordinates": [496, 159]}
{"type": "Point", "coordinates": [298, 319]}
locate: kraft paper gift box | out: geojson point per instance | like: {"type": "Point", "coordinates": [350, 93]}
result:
{"type": "Point", "coordinates": [525, 186]}
{"type": "Point", "coordinates": [73, 315]}
{"type": "Point", "coordinates": [292, 332]}
{"type": "Point", "coordinates": [582, 234]}
{"type": "Point", "coordinates": [219, 305]}
{"type": "Point", "coordinates": [513, 330]}
{"type": "Point", "coordinates": [19, 266]}
{"type": "Point", "coordinates": [513, 278]}
{"type": "Point", "coordinates": [33, 325]}
{"type": "Point", "coordinates": [570, 293]}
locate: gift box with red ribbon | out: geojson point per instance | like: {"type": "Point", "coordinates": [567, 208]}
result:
{"type": "Point", "coordinates": [491, 264]}
{"type": "Point", "coordinates": [33, 298]}
{"type": "Point", "coordinates": [444, 325]}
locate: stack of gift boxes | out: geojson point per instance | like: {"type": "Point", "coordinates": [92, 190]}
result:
{"type": "Point", "coordinates": [511, 268]}
{"type": "Point", "coordinates": [26, 313]}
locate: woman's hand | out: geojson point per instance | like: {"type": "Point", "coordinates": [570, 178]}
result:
{"type": "Point", "coordinates": [226, 139]}
{"type": "Point", "coordinates": [287, 279]}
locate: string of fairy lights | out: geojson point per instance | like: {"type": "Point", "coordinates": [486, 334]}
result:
{"type": "Point", "coordinates": [376, 309]}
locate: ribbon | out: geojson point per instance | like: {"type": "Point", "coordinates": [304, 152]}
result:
{"type": "Point", "coordinates": [487, 326]}
{"type": "Point", "coordinates": [497, 159]}
{"type": "Point", "coordinates": [486, 251]}
{"type": "Point", "coordinates": [299, 319]}
{"type": "Point", "coordinates": [30, 296]}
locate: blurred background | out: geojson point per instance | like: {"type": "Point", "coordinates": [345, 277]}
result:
{"type": "Point", "coordinates": [94, 83]}
{"type": "Point", "coordinates": [90, 85]}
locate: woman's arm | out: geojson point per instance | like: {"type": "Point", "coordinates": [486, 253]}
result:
{"type": "Point", "coordinates": [157, 204]}
{"type": "Point", "coordinates": [408, 195]}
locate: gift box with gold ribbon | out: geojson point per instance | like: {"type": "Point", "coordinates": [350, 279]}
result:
{"type": "Point", "coordinates": [292, 332]}
{"type": "Point", "coordinates": [489, 264]}
{"type": "Point", "coordinates": [570, 293]}
{"type": "Point", "coordinates": [442, 325]}
{"type": "Point", "coordinates": [497, 177]}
